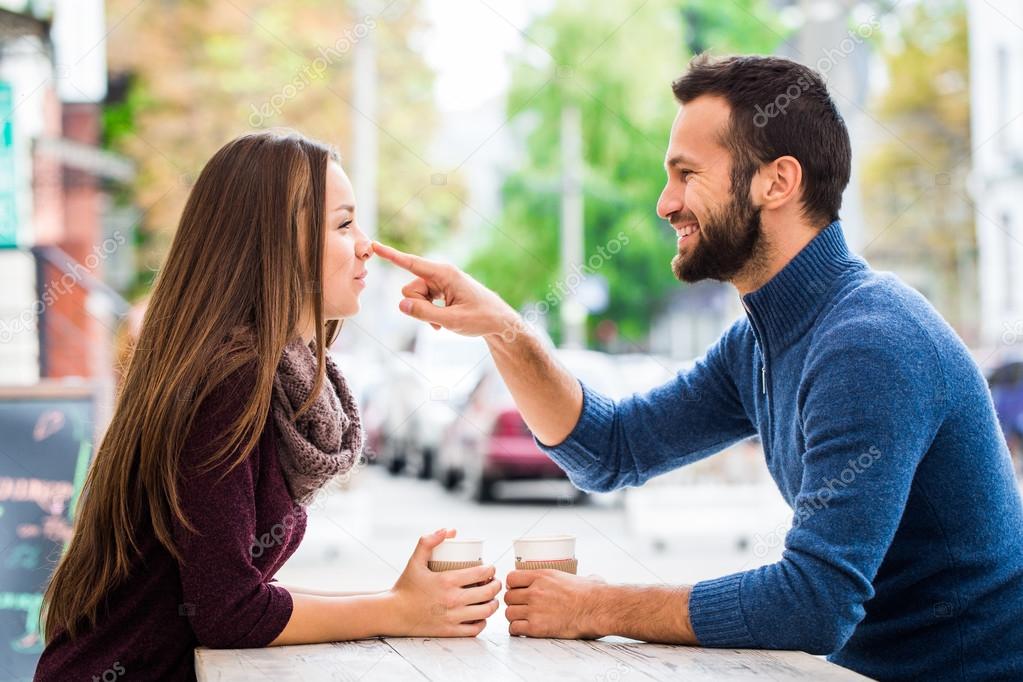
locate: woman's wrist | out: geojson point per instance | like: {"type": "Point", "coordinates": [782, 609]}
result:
{"type": "Point", "coordinates": [394, 619]}
{"type": "Point", "coordinates": [376, 614]}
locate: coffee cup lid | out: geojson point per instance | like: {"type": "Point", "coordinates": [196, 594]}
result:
{"type": "Point", "coordinates": [458, 549]}
{"type": "Point", "coordinates": [547, 548]}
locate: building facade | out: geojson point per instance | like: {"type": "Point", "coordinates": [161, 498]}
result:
{"type": "Point", "coordinates": [996, 65]}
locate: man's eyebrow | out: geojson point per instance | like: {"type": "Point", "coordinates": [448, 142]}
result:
{"type": "Point", "coordinates": [679, 160]}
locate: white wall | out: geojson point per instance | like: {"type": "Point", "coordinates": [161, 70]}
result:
{"type": "Point", "coordinates": [19, 342]}
{"type": "Point", "coordinates": [996, 84]}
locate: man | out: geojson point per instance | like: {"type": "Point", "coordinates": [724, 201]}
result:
{"type": "Point", "coordinates": [905, 557]}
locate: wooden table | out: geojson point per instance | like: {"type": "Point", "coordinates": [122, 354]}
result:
{"type": "Point", "coordinates": [496, 656]}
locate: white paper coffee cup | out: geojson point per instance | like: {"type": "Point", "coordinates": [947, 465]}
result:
{"type": "Point", "coordinates": [456, 553]}
{"type": "Point", "coordinates": [556, 551]}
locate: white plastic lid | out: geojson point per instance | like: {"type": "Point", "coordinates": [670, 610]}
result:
{"type": "Point", "coordinates": [550, 548]}
{"type": "Point", "coordinates": [458, 549]}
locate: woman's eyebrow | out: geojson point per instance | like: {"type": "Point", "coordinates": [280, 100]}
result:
{"type": "Point", "coordinates": [346, 207]}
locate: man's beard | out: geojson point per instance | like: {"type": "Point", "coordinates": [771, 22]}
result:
{"type": "Point", "coordinates": [727, 243]}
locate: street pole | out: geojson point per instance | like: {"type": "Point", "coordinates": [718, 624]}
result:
{"type": "Point", "coordinates": [573, 314]}
{"type": "Point", "coordinates": [364, 130]}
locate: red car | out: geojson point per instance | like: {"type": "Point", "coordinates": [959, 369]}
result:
{"type": "Point", "coordinates": [489, 442]}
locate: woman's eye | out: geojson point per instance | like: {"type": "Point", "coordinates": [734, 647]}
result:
{"type": "Point", "coordinates": [347, 223]}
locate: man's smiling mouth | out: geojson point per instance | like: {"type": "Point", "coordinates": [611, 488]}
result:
{"type": "Point", "coordinates": [686, 230]}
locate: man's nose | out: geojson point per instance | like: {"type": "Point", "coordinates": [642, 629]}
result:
{"type": "Point", "coordinates": [669, 202]}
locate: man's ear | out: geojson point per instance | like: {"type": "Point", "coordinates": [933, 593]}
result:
{"type": "Point", "coordinates": [777, 183]}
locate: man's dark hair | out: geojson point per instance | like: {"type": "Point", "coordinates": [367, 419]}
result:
{"type": "Point", "coordinates": [779, 108]}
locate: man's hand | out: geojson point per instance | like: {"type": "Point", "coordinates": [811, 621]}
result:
{"type": "Point", "coordinates": [549, 603]}
{"type": "Point", "coordinates": [552, 603]}
{"type": "Point", "coordinates": [549, 398]}
{"type": "Point", "coordinates": [469, 309]}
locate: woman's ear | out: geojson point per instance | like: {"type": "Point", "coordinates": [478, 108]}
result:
{"type": "Point", "coordinates": [777, 183]}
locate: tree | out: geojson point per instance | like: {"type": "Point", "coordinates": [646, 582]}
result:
{"type": "Point", "coordinates": [914, 183]}
{"type": "Point", "coordinates": [616, 65]}
{"type": "Point", "coordinates": [204, 72]}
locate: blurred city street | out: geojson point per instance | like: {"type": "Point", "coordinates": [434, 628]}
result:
{"type": "Point", "coordinates": [361, 537]}
{"type": "Point", "coordinates": [524, 144]}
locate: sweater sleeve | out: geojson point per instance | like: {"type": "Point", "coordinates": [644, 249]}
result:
{"type": "Point", "coordinates": [698, 413]}
{"type": "Point", "coordinates": [869, 411]}
{"type": "Point", "coordinates": [225, 598]}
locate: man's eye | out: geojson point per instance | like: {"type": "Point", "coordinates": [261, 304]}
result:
{"type": "Point", "coordinates": [685, 175]}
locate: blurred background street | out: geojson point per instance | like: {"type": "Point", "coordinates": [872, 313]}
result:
{"type": "Point", "coordinates": [362, 537]}
{"type": "Point", "coordinates": [522, 141]}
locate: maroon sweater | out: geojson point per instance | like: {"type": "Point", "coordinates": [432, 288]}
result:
{"type": "Point", "coordinates": [221, 596]}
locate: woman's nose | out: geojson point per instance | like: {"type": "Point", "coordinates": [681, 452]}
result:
{"type": "Point", "coordinates": [364, 248]}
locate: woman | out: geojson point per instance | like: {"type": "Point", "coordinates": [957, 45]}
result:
{"type": "Point", "coordinates": [230, 418]}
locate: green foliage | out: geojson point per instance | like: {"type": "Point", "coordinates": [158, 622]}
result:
{"type": "Point", "coordinates": [617, 68]}
{"type": "Point", "coordinates": [204, 72]}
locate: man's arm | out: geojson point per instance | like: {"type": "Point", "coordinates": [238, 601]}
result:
{"type": "Point", "coordinates": [538, 383]}
{"type": "Point", "coordinates": [694, 415]}
{"type": "Point", "coordinates": [601, 444]}
{"type": "Point", "coordinates": [651, 613]}
{"type": "Point", "coordinates": [549, 603]}
{"type": "Point", "coordinates": [871, 401]}
{"type": "Point", "coordinates": [869, 412]}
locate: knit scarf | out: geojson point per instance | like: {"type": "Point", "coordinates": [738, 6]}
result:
{"type": "Point", "coordinates": [326, 440]}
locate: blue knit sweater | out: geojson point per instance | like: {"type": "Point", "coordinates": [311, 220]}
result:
{"type": "Point", "coordinates": [905, 557]}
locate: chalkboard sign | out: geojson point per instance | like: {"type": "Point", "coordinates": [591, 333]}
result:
{"type": "Point", "coordinates": [46, 434]}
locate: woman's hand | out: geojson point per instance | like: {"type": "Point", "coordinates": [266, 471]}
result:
{"type": "Point", "coordinates": [442, 604]}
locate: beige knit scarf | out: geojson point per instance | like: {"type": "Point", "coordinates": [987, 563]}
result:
{"type": "Point", "coordinates": [326, 440]}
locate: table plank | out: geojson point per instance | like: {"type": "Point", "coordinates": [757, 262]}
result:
{"type": "Point", "coordinates": [371, 659]}
{"type": "Point", "coordinates": [496, 656]}
{"type": "Point", "coordinates": [662, 662]}
{"type": "Point", "coordinates": [534, 659]}
{"type": "Point", "coordinates": [458, 659]}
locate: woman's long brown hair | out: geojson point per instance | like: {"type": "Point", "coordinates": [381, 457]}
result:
{"type": "Point", "coordinates": [247, 257]}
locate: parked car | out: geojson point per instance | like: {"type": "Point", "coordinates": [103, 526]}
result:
{"type": "Point", "coordinates": [489, 442]}
{"type": "Point", "coordinates": [389, 404]}
{"type": "Point", "coordinates": [444, 368]}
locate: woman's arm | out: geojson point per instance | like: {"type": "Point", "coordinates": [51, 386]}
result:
{"type": "Point", "coordinates": [421, 603]}
{"type": "Point", "coordinates": [228, 601]}
{"type": "Point", "coordinates": [332, 619]}
{"type": "Point", "coordinates": [325, 593]}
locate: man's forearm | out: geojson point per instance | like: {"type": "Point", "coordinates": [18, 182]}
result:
{"type": "Point", "coordinates": [644, 612]}
{"type": "Point", "coordinates": [549, 398]}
